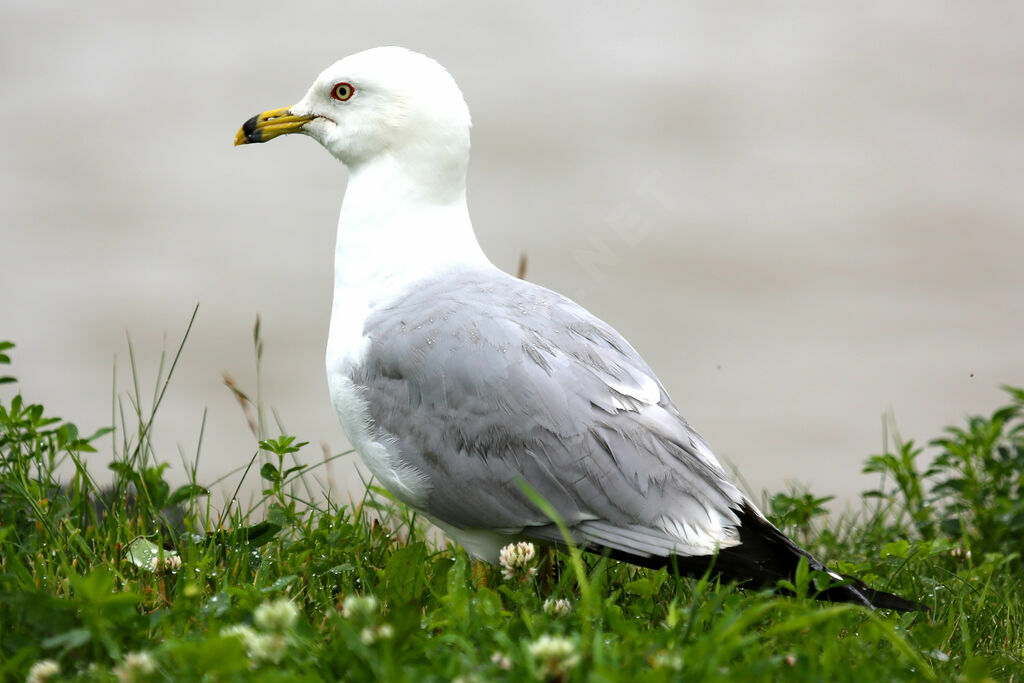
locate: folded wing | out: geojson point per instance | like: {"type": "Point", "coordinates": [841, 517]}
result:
{"type": "Point", "coordinates": [481, 381]}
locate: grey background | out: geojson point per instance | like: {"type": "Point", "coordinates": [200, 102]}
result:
{"type": "Point", "coordinates": [802, 214]}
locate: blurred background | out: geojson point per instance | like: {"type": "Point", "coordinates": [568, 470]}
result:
{"type": "Point", "coordinates": [802, 215]}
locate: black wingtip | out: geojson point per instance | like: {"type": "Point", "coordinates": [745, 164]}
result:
{"type": "Point", "coordinates": [766, 556]}
{"type": "Point", "coordinates": [774, 553]}
{"type": "Point", "coordinates": [883, 600]}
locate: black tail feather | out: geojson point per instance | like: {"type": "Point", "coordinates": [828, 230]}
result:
{"type": "Point", "coordinates": [764, 557]}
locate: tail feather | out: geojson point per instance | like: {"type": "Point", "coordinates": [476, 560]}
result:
{"type": "Point", "coordinates": [764, 557]}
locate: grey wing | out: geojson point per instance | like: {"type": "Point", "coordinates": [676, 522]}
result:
{"type": "Point", "coordinates": [481, 381]}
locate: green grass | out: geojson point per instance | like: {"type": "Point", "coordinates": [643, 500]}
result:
{"type": "Point", "coordinates": [119, 584]}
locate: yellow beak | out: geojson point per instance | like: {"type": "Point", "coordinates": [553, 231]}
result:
{"type": "Point", "coordinates": [269, 125]}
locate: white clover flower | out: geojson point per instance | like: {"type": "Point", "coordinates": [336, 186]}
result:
{"type": "Point", "coordinates": [557, 608]}
{"type": "Point", "coordinates": [42, 671]}
{"type": "Point", "coordinates": [668, 660]}
{"type": "Point", "coordinates": [261, 647]}
{"type": "Point", "coordinates": [372, 634]}
{"type": "Point", "coordinates": [136, 666]}
{"type": "Point", "coordinates": [960, 553]}
{"type": "Point", "coordinates": [516, 560]}
{"type": "Point", "coordinates": [277, 616]}
{"type": "Point", "coordinates": [501, 660]}
{"type": "Point", "coordinates": [250, 639]}
{"type": "Point", "coordinates": [270, 648]}
{"type": "Point", "coordinates": [555, 656]}
{"type": "Point", "coordinates": [171, 563]}
{"type": "Point", "coordinates": [359, 607]}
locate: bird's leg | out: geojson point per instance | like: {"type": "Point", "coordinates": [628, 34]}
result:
{"type": "Point", "coordinates": [547, 572]}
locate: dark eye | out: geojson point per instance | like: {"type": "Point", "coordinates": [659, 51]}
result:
{"type": "Point", "coordinates": [342, 91]}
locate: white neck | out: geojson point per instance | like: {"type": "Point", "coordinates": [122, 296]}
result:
{"type": "Point", "coordinates": [398, 223]}
{"type": "Point", "coordinates": [395, 228]}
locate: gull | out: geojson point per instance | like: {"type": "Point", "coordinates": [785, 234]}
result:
{"type": "Point", "coordinates": [468, 392]}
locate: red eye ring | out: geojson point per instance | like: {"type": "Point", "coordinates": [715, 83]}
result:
{"type": "Point", "coordinates": [342, 91]}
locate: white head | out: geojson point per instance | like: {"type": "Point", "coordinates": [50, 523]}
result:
{"type": "Point", "coordinates": [386, 103]}
{"type": "Point", "coordinates": [398, 120]}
